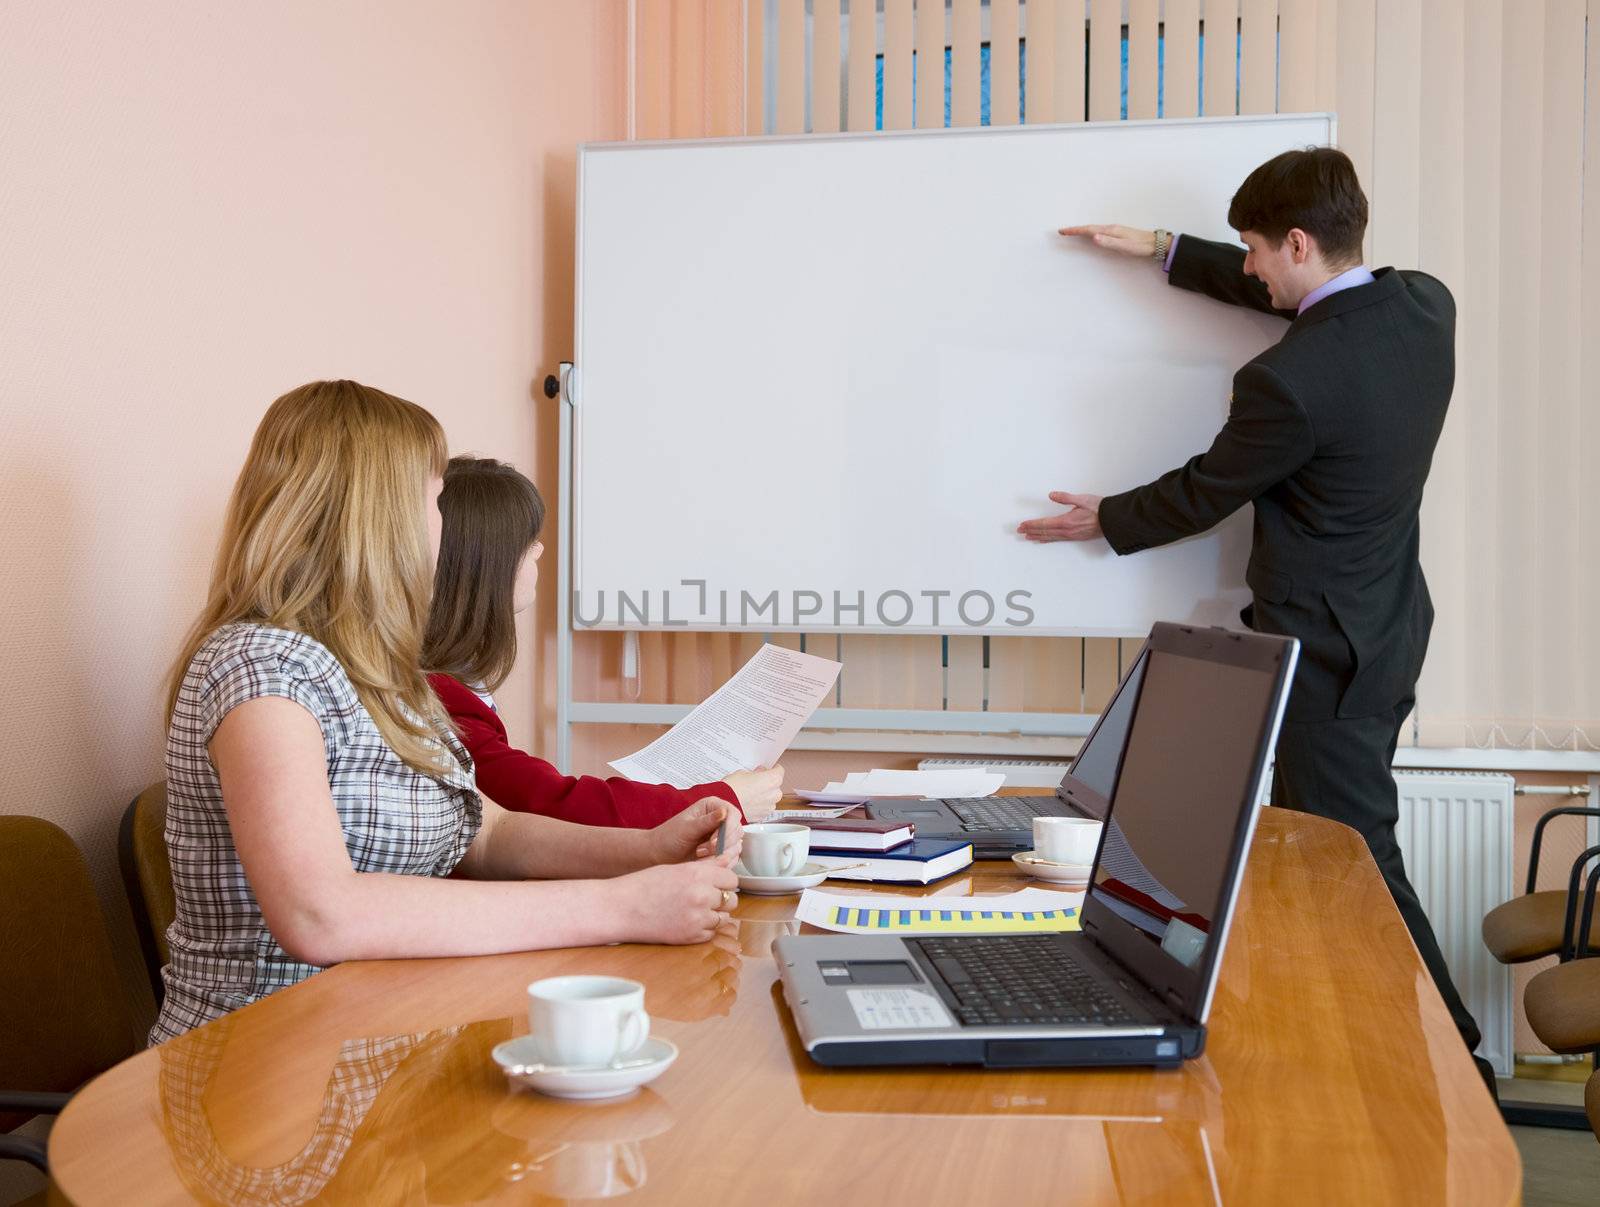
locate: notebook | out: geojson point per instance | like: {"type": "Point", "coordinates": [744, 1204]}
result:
{"type": "Point", "coordinates": [921, 861]}
{"type": "Point", "coordinates": [857, 833]}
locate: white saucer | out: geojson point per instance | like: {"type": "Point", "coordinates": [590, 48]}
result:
{"type": "Point", "coordinates": [1055, 873]}
{"type": "Point", "coordinates": [597, 1082]}
{"type": "Point", "coordinates": [811, 875]}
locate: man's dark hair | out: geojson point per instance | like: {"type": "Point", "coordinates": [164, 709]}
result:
{"type": "Point", "coordinates": [1314, 190]}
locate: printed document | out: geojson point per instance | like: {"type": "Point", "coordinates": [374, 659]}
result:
{"type": "Point", "coordinates": [746, 723]}
{"type": "Point", "coordinates": [864, 785]}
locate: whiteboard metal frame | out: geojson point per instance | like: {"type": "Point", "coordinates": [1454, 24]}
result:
{"type": "Point", "coordinates": [745, 140]}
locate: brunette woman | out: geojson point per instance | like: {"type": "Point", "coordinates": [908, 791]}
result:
{"type": "Point", "coordinates": [487, 573]}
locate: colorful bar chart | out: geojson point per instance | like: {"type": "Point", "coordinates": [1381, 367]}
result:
{"type": "Point", "coordinates": [950, 921]}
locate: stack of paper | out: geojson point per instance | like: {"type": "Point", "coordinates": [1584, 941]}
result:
{"type": "Point", "coordinates": [862, 785]}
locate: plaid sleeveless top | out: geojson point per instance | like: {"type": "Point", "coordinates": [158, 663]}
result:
{"type": "Point", "coordinates": [394, 819]}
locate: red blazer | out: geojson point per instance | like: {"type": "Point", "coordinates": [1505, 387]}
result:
{"type": "Point", "coordinates": [515, 780]}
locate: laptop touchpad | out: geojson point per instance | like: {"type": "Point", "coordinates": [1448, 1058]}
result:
{"type": "Point", "coordinates": [869, 972]}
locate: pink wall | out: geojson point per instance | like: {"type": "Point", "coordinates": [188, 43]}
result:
{"type": "Point", "coordinates": [205, 205]}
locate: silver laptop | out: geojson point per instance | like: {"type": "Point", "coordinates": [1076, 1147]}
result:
{"type": "Point", "coordinates": [1134, 985]}
{"type": "Point", "coordinates": [1000, 826]}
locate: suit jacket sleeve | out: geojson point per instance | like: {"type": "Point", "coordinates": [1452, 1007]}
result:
{"type": "Point", "coordinates": [1217, 270]}
{"type": "Point", "coordinates": [1267, 437]}
{"type": "Point", "coordinates": [516, 780]}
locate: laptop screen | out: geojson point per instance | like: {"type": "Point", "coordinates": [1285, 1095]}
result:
{"type": "Point", "coordinates": [1184, 800]}
{"type": "Point", "coordinates": [1089, 783]}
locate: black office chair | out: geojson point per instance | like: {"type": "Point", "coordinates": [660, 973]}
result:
{"type": "Point", "coordinates": [1563, 1005]}
{"type": "Point", "coordinates": [147, 878]}
{"type": "Point", "coordinates": [63, 1017]}
{"type": "Point", "coordinates": [1539, 924]}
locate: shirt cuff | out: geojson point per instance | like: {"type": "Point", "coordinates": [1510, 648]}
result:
{"type": "Point", "coordinates": [1172, 250]}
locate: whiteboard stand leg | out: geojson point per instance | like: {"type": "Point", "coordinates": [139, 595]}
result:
{"type": "Point", "coordinates": [632, 683]}
{"type": "Point", "coordinates": [564, 636]}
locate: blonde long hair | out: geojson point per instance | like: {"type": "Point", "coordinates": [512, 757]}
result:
{"type": "Point", "coordinates": [326, 534]}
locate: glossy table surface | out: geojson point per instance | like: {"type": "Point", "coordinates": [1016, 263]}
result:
{"type": "Point", "coordinates": [1332, 1074]}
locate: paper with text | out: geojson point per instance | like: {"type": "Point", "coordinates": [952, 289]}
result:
{"type": "Point", "coordinates": [746, 723]}
{"type": "Point", "coordinates": [808, 814]}
{"type": "Point", "coordinates": [864, 785]}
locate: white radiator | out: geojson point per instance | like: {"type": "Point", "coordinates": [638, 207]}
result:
{"type": "Point", "coordinates": [1456, 832]}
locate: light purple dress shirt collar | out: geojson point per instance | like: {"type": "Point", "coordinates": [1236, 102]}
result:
{"type": "Point", "coordinates": [1348, 279]}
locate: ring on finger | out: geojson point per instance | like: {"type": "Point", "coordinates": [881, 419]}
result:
{"type": "Point", "coordinates": [728, 898]}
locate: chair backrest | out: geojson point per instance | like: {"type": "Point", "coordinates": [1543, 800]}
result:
{"type": "Point", "coordinates": [147, 877]}
{"type": "Point", "coordinates": [63, 1015]}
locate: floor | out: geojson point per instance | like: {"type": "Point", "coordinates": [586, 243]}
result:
{"type": "Point", "coordinates": [1559, 1168]}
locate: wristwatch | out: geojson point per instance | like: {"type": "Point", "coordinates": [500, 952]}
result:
{"type": "Point", "coordinates": [1163, 245]}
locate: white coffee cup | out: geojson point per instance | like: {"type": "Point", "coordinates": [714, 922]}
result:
{"type": "Point", "coordinates": [587, 1020]}
{"type": "Point", "coordinates": [775, 849]}
{"type": "Point", "coordinates": [1066, 839]}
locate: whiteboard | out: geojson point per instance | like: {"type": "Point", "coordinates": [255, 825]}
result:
{"type": "Point", "coordinates": [821, 379]}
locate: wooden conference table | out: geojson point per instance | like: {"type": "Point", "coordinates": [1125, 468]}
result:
{"type": "Point", "coordinates": [1332, 1075]}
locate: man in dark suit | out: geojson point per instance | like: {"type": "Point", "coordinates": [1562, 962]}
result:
{"type": "Point", "coordinates": [1330, 434]}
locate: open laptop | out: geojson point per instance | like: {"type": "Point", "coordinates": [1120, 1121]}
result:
{"type": "Point", "coordinates": [1134, 985]}
{"type": "Point", "coordinates": [1000, 826]}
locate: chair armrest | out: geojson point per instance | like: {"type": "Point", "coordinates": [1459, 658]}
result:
{"type": "Point", "coordinates": [32, 1102]}
{"type": "Point", "coordinates": [29, 1102]}
{"type": "Point", "coordinates": [1538, 837]}
{"type": "Point", "coordinates": [1569, 930]}
{"type": "Point", "coordinates": [21, 1148]}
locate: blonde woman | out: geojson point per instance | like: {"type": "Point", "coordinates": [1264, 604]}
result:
{"type": "Point", "coordinates": [319, 806]}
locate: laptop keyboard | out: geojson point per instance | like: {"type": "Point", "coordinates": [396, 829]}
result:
{"type": "Point", "coordinates": [1004, 812]}
{"type": "Point", "coordinates": [1006, 980]}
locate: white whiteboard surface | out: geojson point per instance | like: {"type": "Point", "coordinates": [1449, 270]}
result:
{"type": "Point", "coordinates": [843, 369]}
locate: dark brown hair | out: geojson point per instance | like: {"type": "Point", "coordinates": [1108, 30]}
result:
{"type": "Point", "coordinates": [1315, 190]}
{"type": "Point", "coordinates": [492, 516]}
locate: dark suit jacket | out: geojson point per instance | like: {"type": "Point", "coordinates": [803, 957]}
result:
{"type": "Point", "coordinates": [1330, 434]}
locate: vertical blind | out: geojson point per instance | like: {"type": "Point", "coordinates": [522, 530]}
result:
{"type": "Point", "coordinates": [1466, 122]}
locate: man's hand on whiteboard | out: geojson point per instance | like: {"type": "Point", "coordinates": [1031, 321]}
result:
{"type": "Point", "coordinates": [1122, 239]}
{"type": "Point", "coordinates": [1081, 523]}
